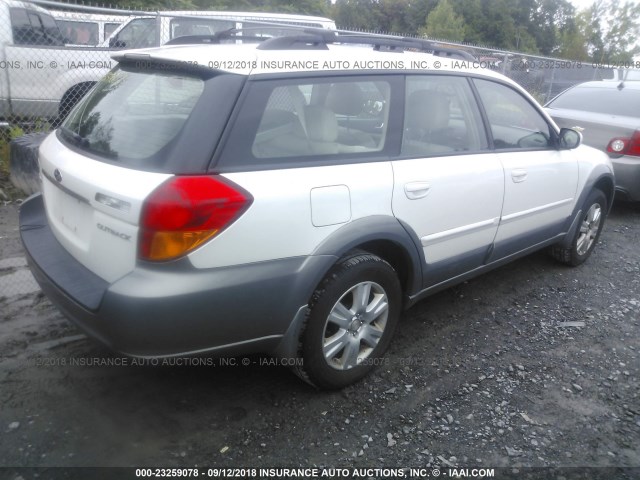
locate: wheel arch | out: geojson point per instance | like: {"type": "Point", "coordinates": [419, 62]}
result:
{"type": "Point", "coordinates": [386, 237]}
{"type": "Point", "coordinates": [601, 179]}
{"type": "Point", "coordinates": [606, 185]}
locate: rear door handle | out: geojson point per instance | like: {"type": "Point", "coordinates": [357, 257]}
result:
{"type": "Point", "coordinates": [519, 175]}
{"type": "Point", "coordinates": [416, 190]}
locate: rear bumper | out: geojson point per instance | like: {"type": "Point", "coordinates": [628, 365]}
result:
{"type": "Point", "coordinates": [627, 172]}
{"type": "Point", "coordinates": [172, 309]}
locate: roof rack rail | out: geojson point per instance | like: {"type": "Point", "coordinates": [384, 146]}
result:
{"type": "Point", "coordinates": [319, 38]}
{"type": "Point", "coordinates": [303, 37]}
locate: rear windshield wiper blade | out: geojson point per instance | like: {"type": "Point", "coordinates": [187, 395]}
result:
{"type": "Point", "coordinates": [76, 139]}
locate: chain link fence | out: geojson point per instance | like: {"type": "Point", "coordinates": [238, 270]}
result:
{"type": "Point", "coordinates": [53, 56]}
{"type": "Point", "coordinates": [543, 77]}
{"type": "Point", "coordinates": [53, 53]}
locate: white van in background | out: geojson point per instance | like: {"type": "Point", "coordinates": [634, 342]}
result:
{"type": "Point", "coordinates": [40, 77]}
{"type": "Point", "coordinates": [152, 31]}
{"type": "Point", "coordinates": [87, 29]}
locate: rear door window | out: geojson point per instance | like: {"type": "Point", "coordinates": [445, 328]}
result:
{"type": "Point", "coordinates": [441, 117]}
{"type": "Point", "coordinates": [312, 120]}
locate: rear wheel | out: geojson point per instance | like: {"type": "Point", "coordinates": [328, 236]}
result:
{"type": "Point", "coordinates": [351, 320]}
{"type": "Point", "coordinates": [594, 212]}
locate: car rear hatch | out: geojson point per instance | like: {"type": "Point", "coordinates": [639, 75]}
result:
{"type": "Point", "coordinates": [140, 126]}
{"type": "Point", "coordinates": [93, 207]}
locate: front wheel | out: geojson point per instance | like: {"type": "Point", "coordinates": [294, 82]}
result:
{"type": "Point", "coordinates": [352, 316]}
{"type": "Point", "coordinates": [593, 213]}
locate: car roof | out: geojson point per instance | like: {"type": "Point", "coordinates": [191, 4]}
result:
{"type": "Point", "coordinates": [248, 59]}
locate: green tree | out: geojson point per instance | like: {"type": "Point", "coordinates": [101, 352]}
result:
{"type": "Point", "coordinates": [573, 40]}
{"type": "Point", "coordinates": [548, 20]}
{"type": "Point", "coordinates": [390, 16]}
{"type": "Point", "coordinates": [357, 14]}
{"type": "Point", "coordinates": [623, 28]}
{"type": "Point", "coordinates": [416, 14]}
{"type": "Point", "coordinates": [444, 23]}
{"type": "Point", "coordinates": [610, 30]}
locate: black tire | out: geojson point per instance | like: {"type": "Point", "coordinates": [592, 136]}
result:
{"type": "Point", "coordinates": [358, 275]}
{"type": "Point", "coordinates": [593, 215]}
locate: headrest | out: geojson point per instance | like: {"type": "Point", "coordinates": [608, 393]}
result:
{"type": "Point", "coordinates": [322, 125]}
{"type": "Point", "coordinates": [428, 110]}
{"type": "Point", "coordinates": [345, 99]}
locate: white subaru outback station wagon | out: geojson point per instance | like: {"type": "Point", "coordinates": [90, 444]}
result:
{"type": "Point", "coordinates": [292, 197]}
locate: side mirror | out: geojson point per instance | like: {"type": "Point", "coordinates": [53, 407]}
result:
{"type": "Point", "coordinates": [569, 139]}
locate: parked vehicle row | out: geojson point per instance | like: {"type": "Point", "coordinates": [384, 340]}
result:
{"type": "Point", "coordinates": [41, 77]}
{"type": "Point", "coordinates": [152, 31]}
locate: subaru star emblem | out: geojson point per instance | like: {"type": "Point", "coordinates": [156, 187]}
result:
{"type": "Point", "coordinates": [57, 175]}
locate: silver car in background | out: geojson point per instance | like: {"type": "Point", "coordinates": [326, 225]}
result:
{"type": "Point", "coordinates": [609, 114]}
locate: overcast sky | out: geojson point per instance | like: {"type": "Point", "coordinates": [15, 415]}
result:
{"type": "Point", "coordinates": [582, 4]}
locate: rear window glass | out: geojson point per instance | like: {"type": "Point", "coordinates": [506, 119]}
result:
{"type": "Point", "coordinates": [612, 101]}
{"type": "Point", "coordinates": [132, 115]}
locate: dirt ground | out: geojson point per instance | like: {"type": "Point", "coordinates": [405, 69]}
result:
{"type": "Point", "coordinates": [532, 365]}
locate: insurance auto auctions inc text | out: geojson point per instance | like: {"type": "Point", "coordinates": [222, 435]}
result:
{"type": "Point", "coordinates": [356, 473]}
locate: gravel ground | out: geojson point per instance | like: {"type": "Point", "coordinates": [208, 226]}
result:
{"type": "Point", "coordinates": [532, 365]}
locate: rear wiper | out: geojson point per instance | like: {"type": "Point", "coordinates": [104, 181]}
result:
{"type": "Point", "coordinates": [76, 139]}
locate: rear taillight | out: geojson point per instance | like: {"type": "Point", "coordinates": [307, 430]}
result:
{"type": "Point", "coordinates": [184, 212]}
{"type": "Point", "coordinates": [625, 146]}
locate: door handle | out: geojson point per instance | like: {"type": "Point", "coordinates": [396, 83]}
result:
{"type": "Point", "coordinates": [519, 175]}
{"type": "Point", "coordinates": [416, 190]}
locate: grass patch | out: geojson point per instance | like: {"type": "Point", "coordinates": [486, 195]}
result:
{"type": "Point", "coordinates": [6, 135]}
